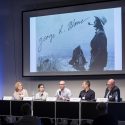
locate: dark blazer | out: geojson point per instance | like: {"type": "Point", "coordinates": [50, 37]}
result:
{"type": "Point", "coordinates": [112, 93]}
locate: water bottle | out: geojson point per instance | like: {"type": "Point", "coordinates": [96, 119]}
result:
{"type": "Point", "coordinates": [116, 97]}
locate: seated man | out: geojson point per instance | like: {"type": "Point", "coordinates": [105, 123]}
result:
{"type": "Point", "coordinates": [112, 92]}
{"type": "Point", "coordinates": [63, 93]}
{"type": "Point", "coordinates": [41, 95]}
{"type": "Point", "coordinates": [87, 93]}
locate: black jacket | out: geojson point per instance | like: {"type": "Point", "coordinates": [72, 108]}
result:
{"type": "Point", "coordinates": [112, 93]}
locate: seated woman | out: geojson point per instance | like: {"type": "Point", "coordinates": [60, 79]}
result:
{"type": "Point", "coordinates": [41, 94]}
{"type": "Point", "coordinates": [19, 92]}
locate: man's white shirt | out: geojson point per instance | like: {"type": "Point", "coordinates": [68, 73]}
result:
{"type": "Point", "coordinates": [64, 94]}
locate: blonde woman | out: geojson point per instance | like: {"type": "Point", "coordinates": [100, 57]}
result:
{"type": "Point", "coordinates": [19, 92]}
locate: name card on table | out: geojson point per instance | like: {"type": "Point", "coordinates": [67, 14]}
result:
{"type": "Point", "coordinates": [75, 99]}
{"type": "Point", "coordinates": [7, 98]}
{"type": "Point", "coordinates": [51, 99]}
{"type": "Point", "coordinates": [102, 100]}
{"type": "Point", "coordinates": [27, 98]}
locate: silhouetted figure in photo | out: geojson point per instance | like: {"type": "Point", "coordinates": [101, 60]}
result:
{"type": "Point", "coordinates": [27, 119]}
{"type": "Point", "coordinates": [78, 60]}
{"type": "Point", "coordinates": [98, 46]}
{"type": "Point", "coordinates": [103, 117]}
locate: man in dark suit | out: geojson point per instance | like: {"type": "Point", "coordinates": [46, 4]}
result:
{"type": "Point", "coordinates": [112, 92]}
{"type": "Point", "coordinates": [98, 46]}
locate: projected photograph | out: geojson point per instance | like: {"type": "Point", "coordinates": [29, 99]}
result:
{"type": "Point", "coordinates": [76, 41]}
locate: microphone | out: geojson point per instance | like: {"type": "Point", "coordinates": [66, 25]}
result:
{"type": "Point", "coordinates": [59, 92]}
{"type": "Point", "coordinates": [42, 94]}
{"type": "Point", "coordinates": [90, 23]}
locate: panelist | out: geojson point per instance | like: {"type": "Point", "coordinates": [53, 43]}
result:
{"type": "Point", "coordinates": [63, 93]}
{"type": "Point", "coordinates": [87, 93]}
{"type": "Point", "coordinates": [42, 94]}
{"type": "Point", "coordinates": [112, 92]}
{"type": "Point", "coordinates": [19, 92]}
